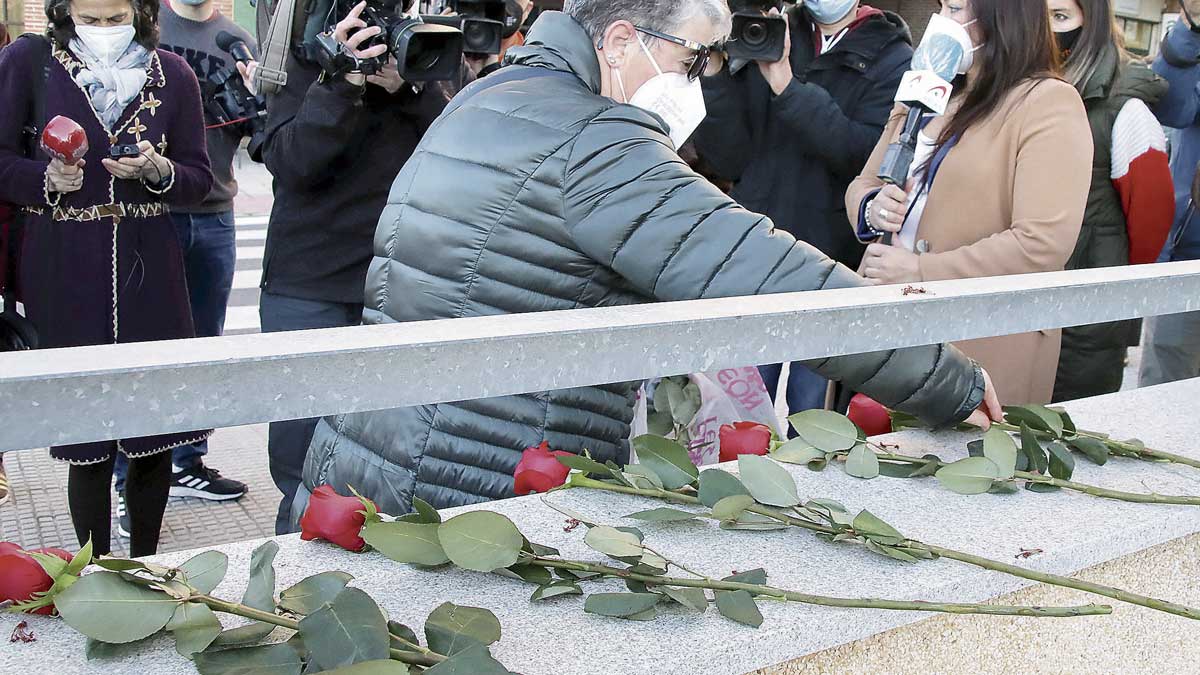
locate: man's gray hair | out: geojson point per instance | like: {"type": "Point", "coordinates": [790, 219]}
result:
{"type": "Point", "coordinates": [665, 16]}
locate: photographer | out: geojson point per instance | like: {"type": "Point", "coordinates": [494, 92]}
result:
{"type": "Point", "coordinates": [206, 228]}
{"type": "Point", "coordinates": [793, 133]}
{"type": "Point", "coordinates": [334, 143]}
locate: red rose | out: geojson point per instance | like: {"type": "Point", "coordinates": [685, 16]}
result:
{"type": "Point", "coordinates": [65, 139]}
{"type": "Point", "coordinates": [334, 518]}
{"type": "Point", "coordinates": [869, 415]}
{"type": "Point", "coordinates": [21, 576]}
{"type": "Point", "coordinates": [65, 555]}
{"type": "Point", "coordinates": [539, 471]}
{"type": "Point", "coordinates": [743, 438]}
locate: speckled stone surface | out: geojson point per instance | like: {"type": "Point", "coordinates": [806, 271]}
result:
{"type": "Point", "coordinates": [557, 638]}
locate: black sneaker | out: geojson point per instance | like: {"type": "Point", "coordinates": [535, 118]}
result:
{"type": "Point", "coordinates": [205, 483]}
{"type": "Point", "coordinates": [122, 517]}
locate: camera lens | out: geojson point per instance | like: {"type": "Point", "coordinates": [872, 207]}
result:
{"type": "Point", "coordinates": [755, 33]}
{"type": "Point", "coordinates": [476, 35]}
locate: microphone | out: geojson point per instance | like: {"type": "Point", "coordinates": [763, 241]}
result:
{"type": "Point", "coordinates": [236, 47]}
{"type": "Point", "coordinates": [64, 140]}
{"type": "Point", "coordinates": [925, 88]}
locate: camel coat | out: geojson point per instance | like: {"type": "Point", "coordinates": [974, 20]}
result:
{"type": "Point", "coordinates": [1008, 199]}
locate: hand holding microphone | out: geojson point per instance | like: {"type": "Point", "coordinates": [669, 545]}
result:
{"type": "Point", "coordinates": [66, 143]}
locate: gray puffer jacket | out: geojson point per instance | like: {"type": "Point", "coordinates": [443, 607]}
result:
{"type": "Point", "coordinates": [540, 194]}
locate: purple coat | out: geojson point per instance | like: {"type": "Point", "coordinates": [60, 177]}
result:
{"type": "Point", "coordinates": [103, 265]}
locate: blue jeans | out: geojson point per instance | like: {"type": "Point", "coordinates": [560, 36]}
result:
{"type": "Point", "coordinates": [209, 243]}
{"type": "Point", "coordinates": [287, 442]}
{"type": "Point", "coordinates": [805, 389]}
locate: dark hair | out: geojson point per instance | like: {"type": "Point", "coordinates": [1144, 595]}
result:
{"type": "Point", "coordinates": [145, 22]}
{"type": "Point", "coordinates": [1018, 45]}
{"type": "Point", "coordinates": [1098, 38]}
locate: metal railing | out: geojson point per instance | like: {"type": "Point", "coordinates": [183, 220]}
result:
{"type": "Point", "coordinates": [60, 396]}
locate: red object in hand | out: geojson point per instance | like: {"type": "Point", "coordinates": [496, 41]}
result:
{"type": "Point", "coordinates": [539, 470]}
{"type": "Point", "coordinates": [334, 518]}
{"type": "Point", "coordinates": [869, 415]}
{"type": "Point", "coordinates": [64, 140]}
{"type": "Point", "coordinates": [21, 576]}
{"type": "Point", "coordinates": [743, 438]}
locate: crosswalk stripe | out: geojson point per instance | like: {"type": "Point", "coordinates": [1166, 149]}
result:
{"type": "Point", "coordinates": [247, 278]}
{"type": "Point", "coordinates": [242, 319]}
{"type": "Point", "coordinates": [251, 235]}
{"type": "Point", "coordinates": [250, 252]}
{"type": "Point", "coordinates": [251, 221]}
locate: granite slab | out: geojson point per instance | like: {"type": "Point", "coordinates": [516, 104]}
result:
{"type": "Point", "coordinates": [1075, 531]}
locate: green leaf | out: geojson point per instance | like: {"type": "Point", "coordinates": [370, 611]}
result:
{"type": "Point", "coordinates": [423, 513]}
{"type": "Point", "coordinates": [740, 607]}
{"type": "Point", "coordinates": [123, 565]}
{"type": "Point", "coordinates": [660, 423]}
{"type": "Point", "coordinates": [533, 574]}
{"type": "Point", "coordinates": [260, 594]}
{"type": "Point", "coordinates": [862, 462]}
{"type": "Point", "coordinates": [1041, 487]}
{"type": "Point", "coordinates": [195, 626]}
{"type": "Point", "coordinates": [380, 667]}
{"type": "Point", "coordinates": [892, 552]}
{"type": "Point", "coordinates": [413, 543]}
{"type": "Point", "coordinates": [1035, 455]}
{"type": "Point", "coordinates": [692, 598]}
{"type": "Point", "coordinates": [205, 572]}
{"type": "Point", "coordinates": [81, 559]}
{"type": "Point", "coordinates": [277, 659]}
{"type": "Point", "coordinates": [683, 396]}
{"type": "Point", "coordinates": [397, 629]}
{"type": "Point", "coordinates": [350, 630]}
{"type": "Point", "coordinates": [1062, 464]}
{"type": "Point", "coordinates": [1004, 487]}
{"type": "Point", "coordinates": [539, 549]}
{"type": "Point", "coordinates": [105, 607]}
{"type": "Point", "coordinates": [581, 463]}
{"type": "Point", "coordinates": [767, 481]}
{"type": "Point", "coordinates": [482, 541]}
{"type": "Point", "coordinates": [797, 451]}
{"type": "Point", "coordinates": [620, 605]}
{"type": "Point", "coordinates": [970, 476]}
{"type": "Point", "coordinates": [307, 596]}
{"type": "Point", "coordinates": [642, 476]}
{"type": "Point", "coordinates": [999, 447]}
{"type": "Point", "coordinates": [662, 515]}
{"type": "Point", "coordinates": [666, 458]}
{"type": "Point", "coordinates": [474, 661]}
{"type": "Point", "coordinates": [871, 527]}
{"type": "Point", "coordinates": [613, 542]}
{"type": "Point", "coordinates": [716, 485]}
{"type": "Point", "coordinates": [929, 468]}
{"type": "Point", "coordinates": [1037, 417]}
{"type": "Point", "coordinates": [903, 420]}
{"type": "Point", "coordinates": [756, 576]}
{"type": "Point", "coordinates": [453, 628]}
{"type": "Point", "coordinates": [554, 589]}
{"type": "Point", "coordinates": [1092, 448]}
{"type": "Point", "coordinates": [825, 429]}
{"type": "Point", "coordinates": [250, 633]}
{"type": "Point", "coordinates": [753, 521]}
{"type": "Point", "coordinates": [899, 470]}
{"type": "Point", "coordinates": [731, 508]}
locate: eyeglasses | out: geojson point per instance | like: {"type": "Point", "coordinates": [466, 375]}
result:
{"type": "Point", "coordinates": [703, 52]}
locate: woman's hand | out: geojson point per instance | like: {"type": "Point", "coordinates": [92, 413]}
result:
{"type": "Point", "coordinates": [888, 208]}
{"type": "Point", "coordinates": [884, 264]}
{"type": "Point", "coordinates": [989, 411]}
{"type": "Point", "coordinates": [149, 166]}
{"type": "Point", "coordinates": [64, 178]}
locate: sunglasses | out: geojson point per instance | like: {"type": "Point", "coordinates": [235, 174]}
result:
{"type": "Point", "coordinates": [703, 52]}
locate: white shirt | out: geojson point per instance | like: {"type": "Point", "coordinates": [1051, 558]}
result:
{"type": "Point", "coordinates": [916, 196]}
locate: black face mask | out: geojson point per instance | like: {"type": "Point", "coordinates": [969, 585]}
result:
{"type": "Point", "coordinates": [1067, 39]}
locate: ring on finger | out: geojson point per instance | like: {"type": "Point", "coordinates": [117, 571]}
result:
{"type": "Point", "coordinates": [884, 213]}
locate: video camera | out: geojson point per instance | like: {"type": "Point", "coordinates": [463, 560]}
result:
{"type": "Point", "coordinates": [482, 23]}
{"type": "Point", "coordinates": [424, 50]}
{"type": "Point", "coordinates": [227, 100]}
{"type": "Point", "coordinates": [756, 36]}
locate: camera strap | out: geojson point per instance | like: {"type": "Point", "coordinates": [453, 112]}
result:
{"type": "Point", "coordinates": [271, 75]}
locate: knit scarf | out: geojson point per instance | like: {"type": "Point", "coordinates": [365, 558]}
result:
{"type": "Point", "coordinates": [111, 87]}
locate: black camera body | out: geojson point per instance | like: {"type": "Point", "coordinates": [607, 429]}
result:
{"type": "Point", "coordinates": [229, 102]}
{"type": "Point", "coordinates": [756, 36]}
{"type": "Point", "coordinates": [480, 36]}
{"type": "Point", "coordinates": [424, 51]}
{"type": "Point", "coordinates": [122, 150]}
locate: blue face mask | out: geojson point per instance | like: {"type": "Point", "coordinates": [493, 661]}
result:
{"type": "Point", "coordinates": [829, 11]}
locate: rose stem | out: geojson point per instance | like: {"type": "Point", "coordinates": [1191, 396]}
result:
{"type": "Point", "coordinates": [1123, 449]}
{"type": "Point", "coordinates": [806, 598]}
{"type": "Point", "coordinates": [1069, 485]}
{"type": "Point", "coordinates": [579, 480]}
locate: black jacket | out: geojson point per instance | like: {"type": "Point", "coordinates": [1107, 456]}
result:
{"type": "Point", "coordinates": [792, 156]}
{"type": "Point", "coordinates": [333, 150]}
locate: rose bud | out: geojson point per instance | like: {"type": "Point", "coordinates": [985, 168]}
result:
{"type": "Point", "coordinates": [21, 577]}
{"type": "Point", "coordinates": [64, 139]}
{"type": "Point", "coordinates": [9, 547]}
{"type": "Point", "coordinates": [869, 415]}
{"type": "Point", "coordinates": [743, 438]}
{"type": "Point", "coordinates": [334, 518]}
{"type": "Point", "coordinates": [539, 470]}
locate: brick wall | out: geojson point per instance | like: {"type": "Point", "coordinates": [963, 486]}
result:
{"type": "Point", "coordinates": [35, 13]}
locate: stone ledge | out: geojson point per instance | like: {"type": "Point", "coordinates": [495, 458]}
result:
{"type": "Point", "coordinates": [557, 638]}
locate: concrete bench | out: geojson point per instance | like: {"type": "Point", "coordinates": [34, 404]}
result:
{"type": "Point", "coordinates": [1145, 548]}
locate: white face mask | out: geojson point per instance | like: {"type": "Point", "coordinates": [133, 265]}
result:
{"type": "Point", "coordinates": [941, 25]}
{"type": "Point", "coordinates": [671, 96]}
{"type": "Point", "coordinates": [107, 43]}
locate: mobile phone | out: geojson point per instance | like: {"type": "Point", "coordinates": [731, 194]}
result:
{"type": "Point", "coordinates": [124, 150]}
